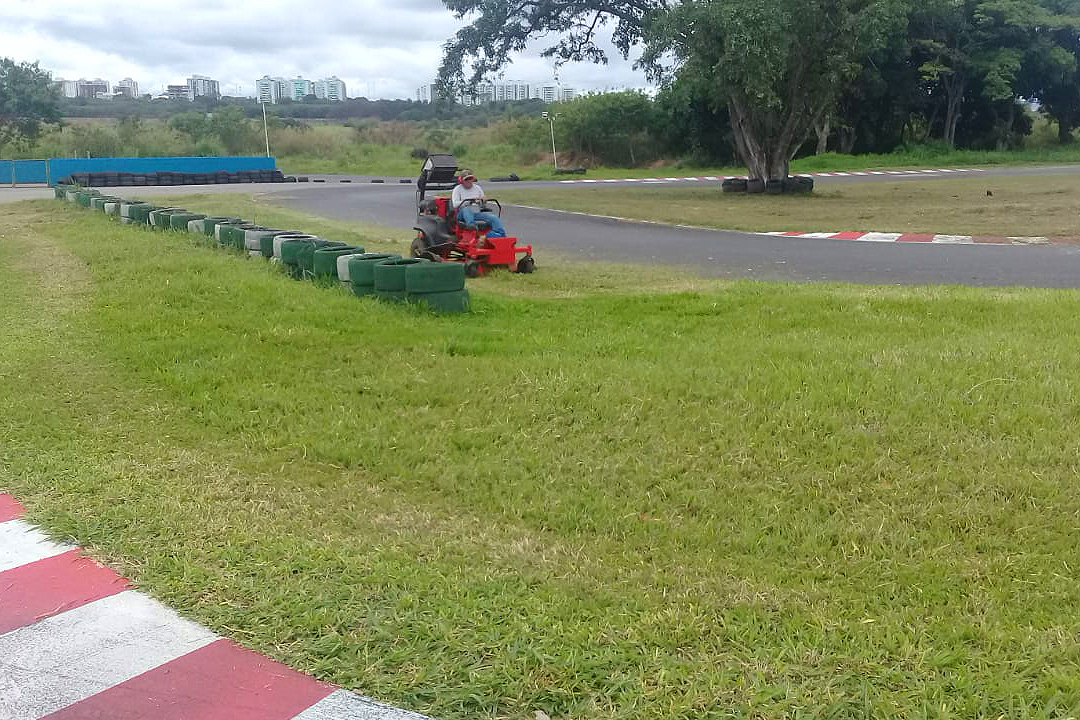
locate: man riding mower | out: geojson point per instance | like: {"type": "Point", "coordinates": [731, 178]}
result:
{"type": "Point", "coordinates": [465, 227]}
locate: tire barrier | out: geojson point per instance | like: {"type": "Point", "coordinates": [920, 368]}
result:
{"type": "Point", "coordinates": [795, 184]}
{"type": "Point", "coordinates": [343, 267]}
{"type": "Point", "coordinates": [115, 179]}
{"type": "Point", "coordinates": [324, 261]}
{"type": "Point", "coordinates": [307, 256]}
{"type": "Point", "coordinates": [438, 287]}
{"type": "Point", "coordinates": [362, 272]}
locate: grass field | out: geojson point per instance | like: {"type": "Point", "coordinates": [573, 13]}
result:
{"type": "Point", "coordinates": [1020, 206]}
{"type": "Point", "coordinates": [747, 500]}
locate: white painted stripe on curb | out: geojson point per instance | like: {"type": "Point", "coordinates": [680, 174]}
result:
{"type": "Point", "coordinates": [842, 174]}
{"type": "Point", "coordinates": [953, 239]}
{"type": "Point", "coordinates": [711, 178]}
{"type": "Point", "coordinates": [822, 235]}
{"type": "Point", "coordinates": [880, 237]}
{"type": "Point", "coordinates": [69, 657]}
{"type": "Point", "coordinates": [632, 180]}
{"type": "Point", "coordinates": [876, 172]}
{"type": "Point", "coordinates": [344, 705]}
{"type": "Point", "coordinates": [22, 543]}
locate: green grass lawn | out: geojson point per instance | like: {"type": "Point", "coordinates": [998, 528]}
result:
{"type": "Point", "coordinates": [491, 160]}
{"type": "Point", "coordinates": [1019, 206]}
{"type": "Point", "coordinates": [744, 500]}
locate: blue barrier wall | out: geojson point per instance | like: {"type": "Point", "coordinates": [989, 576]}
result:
{"type": "Point", "coordinates": [35, 171]}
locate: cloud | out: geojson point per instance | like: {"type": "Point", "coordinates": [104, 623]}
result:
{"type": "Point", "coordinates": [378, 49]}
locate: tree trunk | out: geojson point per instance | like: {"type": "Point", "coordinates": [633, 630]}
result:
{"type": "Point", "coordinates": [822, 131]}
{"type": "Point", "coordinates": [954, 90]}
{"type": "Point", "coordinates": [1064, 132]}
{"type": "Point", "coordinates": [765, 158]}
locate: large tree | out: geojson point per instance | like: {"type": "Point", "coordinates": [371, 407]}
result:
{"type": "Point", "coordinates": [778, 65]}
{"type": "Point", "coordinates": [27, 101]}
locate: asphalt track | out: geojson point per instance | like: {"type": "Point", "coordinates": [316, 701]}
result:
{"type": "Point", "coordinates": [724, 254]}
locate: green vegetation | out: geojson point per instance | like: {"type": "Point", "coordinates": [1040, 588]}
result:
{"type": "Point", "coordinates": [747, 500]}
{"type": "Point", "coordinates": [1019, 206]}
{"type": "Point", "coordinates": [27, 100]}
{"type": "Point", "coordinates": [761, 80]}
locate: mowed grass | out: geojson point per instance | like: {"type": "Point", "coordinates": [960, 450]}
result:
{"type": "Point", "coordinates": [1018, 206]}
{"type": "Point", "coordinates": [751, 500]}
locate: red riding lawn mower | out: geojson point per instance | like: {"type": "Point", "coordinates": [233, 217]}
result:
{"type": "Point", "coordinates": [440, 238]}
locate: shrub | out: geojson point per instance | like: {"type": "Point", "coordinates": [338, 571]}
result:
{"type": "Point", "coordinates": [419, 153]}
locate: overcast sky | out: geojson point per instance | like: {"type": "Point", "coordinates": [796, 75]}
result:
{"type": "Point", "coordinates": [380, 49]}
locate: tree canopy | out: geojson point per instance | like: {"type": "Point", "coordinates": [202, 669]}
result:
{"type": "Point", "coordinates": [27, 101]}
{"type": "Point", "coordinates": [767, 76]}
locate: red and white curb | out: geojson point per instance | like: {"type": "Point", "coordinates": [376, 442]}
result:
{"type": "Point", "coordinates": [76, 643]}
{"type": "Point", "coordinates": [916, 238]}
{"type": "Point", "coordinates": [721, 178]}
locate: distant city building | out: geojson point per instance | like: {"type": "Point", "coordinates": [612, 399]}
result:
{"type": "Point", "coordinates": [300, 88]}
{"type": "Point", "coordinates": [331, 88]}
{"type": "Point", "coordinates": [274, 89]}
{"type": "Point", "coordinates": [502, 92]}
{"type": "Point", "coordinates": [177, 92]}
{"type": "Point", "coordinates": [271, 90]}
{"type": "Point", "coordinates": [95, 88]}
{"type": "Point", "coordinates": [202, 86]}
{"type": "Point", "coordinates": [67, 88]}
{"type": "Point", "coordinates": [126, 88]}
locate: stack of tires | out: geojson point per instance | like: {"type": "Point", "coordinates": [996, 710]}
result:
{"type": "Point", "coordinates": [793, 185]}
{"type": "Point", "coordinates": [437, 285]}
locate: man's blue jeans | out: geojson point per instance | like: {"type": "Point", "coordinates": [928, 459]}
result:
{"type": "Point", "coordinates": [468, 218]}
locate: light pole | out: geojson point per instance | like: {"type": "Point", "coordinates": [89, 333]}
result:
{"type": "Point", "coordinates": [551, 121]}
{"type": "Point", "coordinates": [266, 130]}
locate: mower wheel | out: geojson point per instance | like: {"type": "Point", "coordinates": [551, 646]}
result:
{"type": "Point", "coordinates": [472, 269]}
{"type": "Point", "coordinates": [418, 249]}
{"type": "Point", "coordinates": [526, 265]}
{"type": "Point", "coordinates": [434, 277]}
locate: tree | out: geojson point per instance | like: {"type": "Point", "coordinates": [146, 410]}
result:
{"type": "Point", "coordinates": [612, 127]}
{"type": "Point", "coordinates": [779, 65]}
{"type": "Point", "coordinates": [28, 100]}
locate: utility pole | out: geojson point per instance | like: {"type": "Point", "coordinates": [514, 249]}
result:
{"type": "Point", "coordinates": [266, 130]}
{"type": "Point", "coordinates": [551, 121]}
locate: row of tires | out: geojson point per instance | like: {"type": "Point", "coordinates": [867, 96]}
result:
{"type": "Point", "coordinates": [796, 184]}
{"type": "Point", "coordinates": [439, 286]}
{"type": "Point", "coordinates": [119, 179]}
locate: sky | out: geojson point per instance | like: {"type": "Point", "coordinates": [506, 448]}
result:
{"type": "Point", "coordinates": [380, 49]}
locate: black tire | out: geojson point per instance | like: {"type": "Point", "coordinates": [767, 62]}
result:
{"type": "Point", "coordinates": [389, 275]}
{"type": "Point", "coordinates": [774, 187]}
{"type": "Point", "coordinates": [755, 187]}
{"type": "Point", "coordinates": [444, 303]}
{"type": "Point", "coordinates": [799, 184]}
{"type": "Point", "coordinates": [733, 185]}
{"type": "Point", "coordinates": [434, 277]}
{"type": "Point", "coordinates": [526, 265]}
{"type": "Point", "coordinates": [472, 269]}
{"type": "Point", "coordinates": [378, 180]}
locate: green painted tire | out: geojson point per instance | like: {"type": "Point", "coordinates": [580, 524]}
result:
{"type": "Point", "coordinates": [390, 274]}
{"type": "Point", "coordinates": [282, 237]}
{"type": "Point", "coordinates": [435, 277]}
{"type": "Point", "coordinates": [324, 261]}
{"type": "Point", "coordinates": [179, 221]}
{"type": "Point", "coordinates": [143, 214]}
{"type": "Point", "coordinates": [59, 192]}
{"type": "Point", "coordinates": [362, 271]}
{"type": "Point", "coordinates": [394, 296]}
{"type": "Point", "coordinates": [97, 203]}
{"type": "Point", "coordinates": [223, 236]}
{"type": "Point", "coordinates": [307, 255]}
{"type": "Point", "coordinates": [210, 223]}
{"type": "Point", "coordinates": [443, 303]}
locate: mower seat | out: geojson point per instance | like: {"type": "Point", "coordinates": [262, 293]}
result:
{"type": "Point", "coordinates": [435, 230]}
